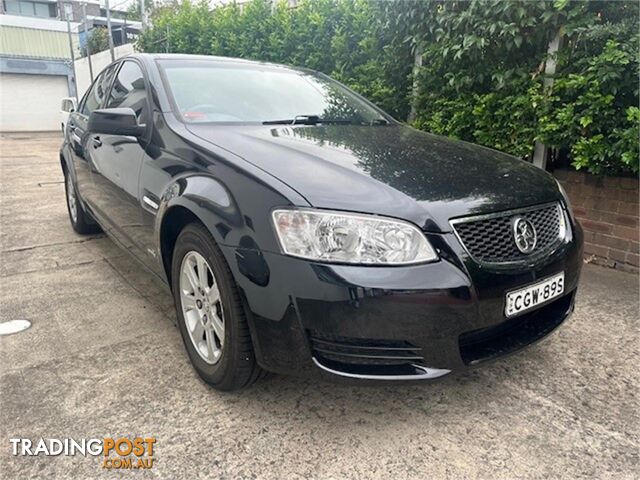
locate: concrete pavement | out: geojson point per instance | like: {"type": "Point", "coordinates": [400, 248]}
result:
{"type": "Point", "coordinates": [104, 359]}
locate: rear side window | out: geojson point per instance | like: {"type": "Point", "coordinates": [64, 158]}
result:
{"type": "Point", "coordinates": [128, 91]}
{"type": "Point", "coordinates": [96, 94]}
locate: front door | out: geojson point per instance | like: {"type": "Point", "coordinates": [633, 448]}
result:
{"type": "Point", "coordinates": [80, 139]}
{"type": "Point", "coordinates": [117, 160]}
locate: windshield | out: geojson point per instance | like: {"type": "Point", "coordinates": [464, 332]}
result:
{"type": "Point", "coordinates": [209, 91]}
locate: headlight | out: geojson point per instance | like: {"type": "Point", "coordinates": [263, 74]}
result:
{"type": "Point", "coordinates": [562, 225]}
{"type": "Point", "coordinates": [565, 229]}
{"type": "Point", "coordinates": [350, 238]}
{"type": "Point", "coordinates": [564, 194]}
{"type": "Point", "coordinates": [566, 199]}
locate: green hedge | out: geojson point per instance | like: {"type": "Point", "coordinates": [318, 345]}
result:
{"type": "Point", "coordinates": [482, 77]}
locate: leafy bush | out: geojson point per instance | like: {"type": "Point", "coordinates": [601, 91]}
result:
{"type": "Point", "coordinates": [481, 59]}
{"type": "Point", "coordinates": [482, 77]}
{"type": "Point", "coordinates": [592, 110]}
{"type": "Point", "coordinates": [97, 41]}
{"type": "Point", "coordinates": [343, 38]}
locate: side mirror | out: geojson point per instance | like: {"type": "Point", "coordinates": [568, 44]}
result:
{"type": "Point", "coordinates": [69, 105]}
{"type": "Point", "coordinates": [115, 121]}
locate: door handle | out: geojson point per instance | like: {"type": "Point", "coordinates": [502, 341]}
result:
{"type": "Point", "coordinates": [96, 142]}
{"type": "Point", "coordinates": [74, 132]}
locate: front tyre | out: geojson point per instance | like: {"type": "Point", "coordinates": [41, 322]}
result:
{"type": "Point", "coordinates": [80, 219]}
{"type": "Point", "coordinates": [210, 314]}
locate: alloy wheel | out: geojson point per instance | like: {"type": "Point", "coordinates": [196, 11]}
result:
{"type": "Point", "coordinates": [202, 307]}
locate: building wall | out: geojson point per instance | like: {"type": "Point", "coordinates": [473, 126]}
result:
{"type": "Point", "coordinates": [607, 208]}
{"type": "Point", "coordinates": [33, 43]}
{"type": "Point", "coordinates": [92, 8]}
{"type": "Point", "coordinates": [30, 37]}
{"type": "Point", "coordinates": [31, 102]}
{"type": "Point", "coordinates": [35, 72]}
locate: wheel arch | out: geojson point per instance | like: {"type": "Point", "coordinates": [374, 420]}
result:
{"type": "Point", "coordinates": [65, 162]}
{"type": "Point", "coordinates": [173, 222]}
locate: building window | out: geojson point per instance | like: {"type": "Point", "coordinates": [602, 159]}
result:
{"type": "Point", "coordinates": [12, 7]}
{"type": "Point", "coordinates": [30, 9]}
{"type": "Point", "coordinates": [41, 9]}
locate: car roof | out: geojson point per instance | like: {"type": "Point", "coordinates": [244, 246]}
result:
{"type": "Point", "coordinates": [211, 58]}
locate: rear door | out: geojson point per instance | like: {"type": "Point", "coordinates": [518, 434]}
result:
{"type": "Point", "coordinates": [117, 159]}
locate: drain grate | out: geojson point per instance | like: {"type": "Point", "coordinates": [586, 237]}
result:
{"type": "Point", "coordinates": [14, 326]}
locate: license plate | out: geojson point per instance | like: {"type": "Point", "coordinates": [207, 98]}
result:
{"type": "Point", "coordinates": [526, 298]}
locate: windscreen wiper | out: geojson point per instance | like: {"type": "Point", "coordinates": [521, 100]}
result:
{"type": "Point", "coordinates": [308, 120]}
{"type": "Point", "coordinates": [316, 120]}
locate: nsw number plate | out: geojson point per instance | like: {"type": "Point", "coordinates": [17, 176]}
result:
{"type": "Point", "coordinates": [526, 298]}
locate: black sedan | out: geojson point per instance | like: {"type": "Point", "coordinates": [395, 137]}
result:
{"type": "Point", "coordinates": [303, 230]}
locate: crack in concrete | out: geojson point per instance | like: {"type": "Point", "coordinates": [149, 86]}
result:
{"type": "Point", "coordinates": [24, 164]}
{"type": "Point", "coordinates": [58, 267]}
{"type": "Point", "coordinates": [55, 244]}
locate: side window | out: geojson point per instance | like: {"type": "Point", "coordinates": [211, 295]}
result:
{"type": "Point", "coordinates": [83, 101]}
{"type": "Point", "coordinates": [96, 94]}
{"type": "Point", "coordinates": [90, 102]}
{"type": "Point", "coordinates": [128, 90]}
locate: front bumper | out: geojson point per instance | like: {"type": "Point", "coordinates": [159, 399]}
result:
{"type": "Point", "coordinates": [394, 323]}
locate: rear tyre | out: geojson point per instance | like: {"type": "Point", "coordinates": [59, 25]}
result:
{"type": "Point", "coordinates": [80, 219]}
{"type": "Point", "coordinates": [211, 318]}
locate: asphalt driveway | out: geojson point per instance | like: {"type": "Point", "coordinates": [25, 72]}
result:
{"type": "Point", "coordinates": [104, 359]}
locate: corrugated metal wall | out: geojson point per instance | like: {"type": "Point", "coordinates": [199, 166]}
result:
{"type": "Point", "coordinates": [32, 43]}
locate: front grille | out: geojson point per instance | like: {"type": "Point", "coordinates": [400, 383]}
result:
{"type": "Point", "coordinates": [358, 351]}
{"type": "Point", "coordinates": [489, 238]}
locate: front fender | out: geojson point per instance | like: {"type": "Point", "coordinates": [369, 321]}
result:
{"type": "Point", "coordinates": [209, 200]}
{"type": "Point", "coordinates": [242, 221]}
